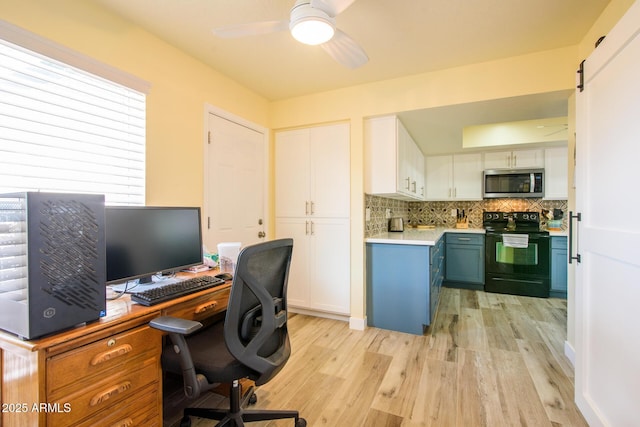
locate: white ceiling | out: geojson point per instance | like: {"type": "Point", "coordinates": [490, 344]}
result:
{"type": "Point", "coordinates": [401, 37]}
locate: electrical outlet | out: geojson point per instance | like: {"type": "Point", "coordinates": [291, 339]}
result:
{"type": "Point", "coordinates": [367, 214]}
{"type": "Point", "coordinates": [454, 213]}
{"type": "Point", "coordinates": [388, 213]}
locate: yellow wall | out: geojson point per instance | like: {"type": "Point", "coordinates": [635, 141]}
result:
{"type": "Point", "coordinates": [180, 87]}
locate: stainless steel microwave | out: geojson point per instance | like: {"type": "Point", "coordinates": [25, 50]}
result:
{"type": "Point", "coordinates": [513, 183]}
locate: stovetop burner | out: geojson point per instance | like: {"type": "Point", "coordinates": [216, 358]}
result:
{"type": "Point", "coordinates": [525, 222]}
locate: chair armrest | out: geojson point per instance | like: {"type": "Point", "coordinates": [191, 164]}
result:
{"type": "Point", "coordinates": [175, 325]}
{"type": "Point", "coordinates": [178, 328]}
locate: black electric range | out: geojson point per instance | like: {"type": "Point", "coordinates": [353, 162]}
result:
{"type": "Point", "coordinates": [517, 254]}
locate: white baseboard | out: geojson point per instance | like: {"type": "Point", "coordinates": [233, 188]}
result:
{"type": "Point", "coordinates": [357, 323]}
{"type": "Point", "coordinates": [570, 353]}
{"type": "Point", "coordinates": [334, 316]}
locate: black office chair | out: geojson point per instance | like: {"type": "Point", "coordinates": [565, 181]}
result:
{"type": "Point", "coordinates": [252, 342]}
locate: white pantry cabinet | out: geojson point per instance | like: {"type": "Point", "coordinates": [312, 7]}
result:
{"type": "Point", "coordinates": [312, 170]}
{"type": "Point", "coordinates": [393, 163]}
{"type": "Point", "coordinates": [319, 278]}
{"type": "Point", "coordinates": [454, 177]}
{"type": "Point", "coordinates": [518, 159]}
{"type": "Point", "coordinates": [556, 175]}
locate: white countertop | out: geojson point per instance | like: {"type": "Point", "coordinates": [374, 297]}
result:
{"type": "Point", "coordinates": [412, 236]}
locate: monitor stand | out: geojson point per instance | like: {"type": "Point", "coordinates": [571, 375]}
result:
{"type": "Point", "coordinates": [145, 283]}
{"type": "Point", "coordinates": [146, 280]}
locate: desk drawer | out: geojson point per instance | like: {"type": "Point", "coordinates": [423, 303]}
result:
{"type": "Point", "coordinates": [105, 393]}
{"type": "Point", "coordinates": [201, 307]}
{"type": "Point", "coordinates": [141, 411]}
{"type": "Point", "coordinates": [99, 357]}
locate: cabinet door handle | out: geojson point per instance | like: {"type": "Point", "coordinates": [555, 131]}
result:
{"type": "Point", "coordinates": [414, 186]}
{"type": "Point", "coordinates": [306, 207]}
{"type": "Point", "coordinates": [312, 231]}
{"type": "Point", "coordinates": [306, 228]}
{"type": "Point", "coordinates": [312, 204]}
{"type": "Point", "coordinates": [408, 179]}
{"type": "Point", "coordinates": [515, 160]}
{"type": "Point", "coordinates": [578, 216]}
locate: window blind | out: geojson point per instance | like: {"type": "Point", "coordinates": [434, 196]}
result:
{"type": "Point", "coordinates": [63, 129]}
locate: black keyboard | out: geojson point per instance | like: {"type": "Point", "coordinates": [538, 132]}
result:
{"type": "Point", "coordinates": [175, 290]}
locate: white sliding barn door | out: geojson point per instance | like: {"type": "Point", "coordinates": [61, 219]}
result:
{"type": "Point", "coordinates": [608, 199]}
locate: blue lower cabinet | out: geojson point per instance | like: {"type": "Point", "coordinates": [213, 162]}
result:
{"type": "Point", "coordinates": [559, 266]}
{"type": "Point", "coordinates": [402, 293]}
{"type": "Point", "coordinates": [465, 260]}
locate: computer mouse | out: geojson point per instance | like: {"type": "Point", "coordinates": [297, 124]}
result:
{"type": "Point", "coordinates": [224, 276]}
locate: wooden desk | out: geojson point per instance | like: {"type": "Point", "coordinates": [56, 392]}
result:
{"type": "Point", "coordinates": [105, 373]}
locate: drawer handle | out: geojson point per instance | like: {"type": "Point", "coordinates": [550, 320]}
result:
{"type": "Point", "coordinates": [109, 393]}
{"type": "Point", "coordinates": [207, 306]}
{"type": "Point", "coordinates": [127, 422]}
{"type": "Point", "coordinates": [464, 239]}
{"type": "Point", "coordinates": [111, 354]}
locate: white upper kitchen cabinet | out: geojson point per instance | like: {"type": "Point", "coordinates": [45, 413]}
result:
{"type": "Point", "coordinates": [517, 159]}
{"type": "Point", "coordinates": [313, 171]}
{"type": "Point", "coordinates": [454, 177]}
{"type": "Point", "coordinates": [393, 164]}
{"type": "Point", "coordinates": [556, 175]}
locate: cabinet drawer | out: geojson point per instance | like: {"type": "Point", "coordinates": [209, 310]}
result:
{"type": "Point", "coordinates": [141, 411]}
{"type": "Point", "coordinates": [201, 307]}
{"type": "Point", "coordinates": [465, 238]}
{"type": "Point", "coordinates": [105, 393]}
{"type": "Point", "coordinates": [559, 242]}
{"type": "Point", "coordinates": [99, 357]}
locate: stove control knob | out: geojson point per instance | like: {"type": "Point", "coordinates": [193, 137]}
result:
{"type": "Point", "coordinates": [525, 216]}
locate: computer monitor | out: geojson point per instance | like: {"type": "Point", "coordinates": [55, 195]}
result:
{"type": "Point", "coordinates": [142, 241]}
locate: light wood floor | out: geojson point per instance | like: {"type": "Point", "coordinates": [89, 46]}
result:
{"type": "Point", "coordinates": [488, 360]}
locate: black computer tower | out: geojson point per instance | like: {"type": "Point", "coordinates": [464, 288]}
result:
{"type": "Point", "coordinates": [52, 262]}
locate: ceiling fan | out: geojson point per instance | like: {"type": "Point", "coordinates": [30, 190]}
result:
{"type": "Point", "coordinates": [311, 22]}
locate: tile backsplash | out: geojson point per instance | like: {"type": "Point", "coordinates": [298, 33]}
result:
{"type": "Point", "coordinates": [439, 213]}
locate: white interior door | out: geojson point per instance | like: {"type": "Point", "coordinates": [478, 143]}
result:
{"type": "Point", "coordinates": [607, 284]}
{"type": "Point", "coordinates": [235, 182]}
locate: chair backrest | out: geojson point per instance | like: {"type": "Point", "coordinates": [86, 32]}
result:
{"type": "Point", "coordinates": [255, 328]}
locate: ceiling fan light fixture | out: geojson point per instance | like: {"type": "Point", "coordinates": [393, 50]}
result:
{"type": "Point", "coordinates": [311, 26]}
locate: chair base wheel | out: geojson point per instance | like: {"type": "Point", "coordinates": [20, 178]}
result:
{"type": "Point", "coordinates": [301, 422]}
{"type": "Point", "coordinates": [253, 399]}
{"type": "Point", "coordinates": [185, 422]}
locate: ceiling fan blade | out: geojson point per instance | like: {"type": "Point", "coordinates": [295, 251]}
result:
{"type": "Point", "coordinates": [345, 50]}
{"type": "Point", "coordinates": [251, 29]}
{"type": "Point", "coordinates": [332, 7]}
{"type": "Point", "coordinates": [558, 131]}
